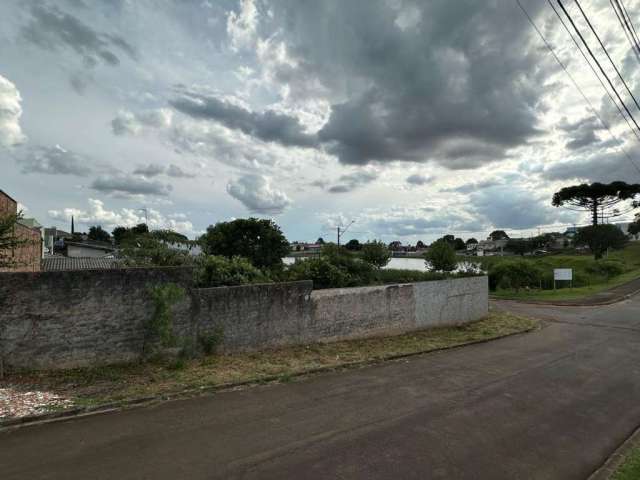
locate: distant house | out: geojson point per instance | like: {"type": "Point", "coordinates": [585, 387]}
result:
{"type": "Point", "coordinates": [58, 263]}
{"type": "Point", "coordinates": [26, 257]}
{"type": "Point", "coordinates": [53, 237]}
{"type": "Point", "coordinates": [87, 249]}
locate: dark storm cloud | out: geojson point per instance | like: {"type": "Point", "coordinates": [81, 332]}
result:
{"type": "Point", "coordinates": [597, 168]}
{"type": "Point", "coordinates": [150, 170]}
{"type": "Point", "coordinates": [51, 28]}
{"type": "Point", "coordinates": [581, 133]}
{"type": "Point", "coordinates": [459, 84]}
{"type": "Point", "coordinates": [154, 169]}
{"type": "Point", "coordinates": [128, 185]}
{"type": "Point", "coordinates": [53, 161]}
{"type": "Point", "coordinates": [474, 186]}
{"type": "Point", "coordinates": [268, 126]}
{"type": "Point", "coordinates": [349, 182]}
{"type": "Point", "coordinates": [417, 179]}
{"type": "Point", "coordinates": [505, 206]}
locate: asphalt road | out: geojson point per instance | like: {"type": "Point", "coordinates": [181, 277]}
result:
{"type": "Point", "coordinates": [548, 405]}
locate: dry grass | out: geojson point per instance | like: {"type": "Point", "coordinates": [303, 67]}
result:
{"type": "Point", "coordinates": [107, 384]}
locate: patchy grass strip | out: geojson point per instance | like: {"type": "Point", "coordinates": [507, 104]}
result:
{"type": "Point", "coordinates": [97, 386]}
{"type": "Point", "coordinates": [630, 468]}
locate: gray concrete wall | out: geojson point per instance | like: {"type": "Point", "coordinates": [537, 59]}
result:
{"type": "Point", "coordinates": [54, 320]}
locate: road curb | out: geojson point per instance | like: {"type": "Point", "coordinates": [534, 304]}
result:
{"type": "Point", "coordinates": [616, 459]}
{"type": "Point", "coordinates": [570, 303]}
{"type": "Point", "coordinates": [80, 412]}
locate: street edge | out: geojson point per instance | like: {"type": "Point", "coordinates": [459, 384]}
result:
{"type": "Point", "coordinates": [617, 458]}
{"type": "Point", "coordinates": [619, 299]}
{"type": "Point", "coordinates": [81, 412]}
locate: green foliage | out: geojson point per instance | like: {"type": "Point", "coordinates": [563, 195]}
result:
{"type": "Point", "coordinates": [8, 239]}
{"type": "Point", "coordinates": [605, 268]}
{"type": "Point", "coordinates": [634, 227]}
{"type": "Point", "coordinates": [396, 275]}
{"type": "Point", "coordinates": [259, 240]}
{"type": "Point", "coordinates": [170, 236]}
{"type": "Point", "coordinates": [98, 234]}
{"type": "Point", "coordinates": [514, 274]}
{"type": "Point", "coordinates": [599, 238]}
{"type": "Point", "coordinates": [519, 246]}
{"type": "Point", "coordinates": [160, 324]}
{"type": "Point", "coordinates": [597, 197]}
{"type": "Point", "coordinates": [216, 271]}
{"type": "Point", "coordinates": [441, 257]}
{"type": "Point", "coordinates": [120, 234]}
{"type": "Point", "coordinates": [353, 245]}
{"type": "Point", "coordinates": [210, 341]}
{"type": "Point", "coordinates": [145, 250]}
{"type": "Point", "coordinates": [498, 235]}
{"type": "Point", "coordinates": [376, 253]}
{"type": "Point", "coordinates": [322, 271]}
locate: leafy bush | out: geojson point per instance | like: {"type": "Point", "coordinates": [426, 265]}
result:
{"type": "Point", "coordinates": [376, 253]}
{"type": "Point", "coordinates": [515, 275]}
{"type": "Point", "coordinates": [216, 271]}
{"type": "Point", "coordinates": [605, 268]}
{"type": "Point", "coordinates": [259, 240]}
{"type": "Point", "coordinates": [322, 271]}
{"type": "Point", "coordinates": [441, 257]}
{"type": "Point", "coordinates": [394, 275]}
{"type": "Point", "coordinates": [160, 324]}
{"type": "Point", "coordinates": [210, 341]}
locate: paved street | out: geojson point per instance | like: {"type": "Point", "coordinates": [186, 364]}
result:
{"type": "Point", "coordinates": [547, 405]}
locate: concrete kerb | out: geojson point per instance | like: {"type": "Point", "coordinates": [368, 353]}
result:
{"type": "Point", "coordinates": [570, 303]}
{"type": "Point", "coordinates": [617, 458]}
{"type": "Point", "coordinates": [111, 407]}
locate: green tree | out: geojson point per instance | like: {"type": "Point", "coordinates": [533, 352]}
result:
{"type": "Point", "coordinates": [472, 241]}
{"type": "Point", "coordinates": [498, 235]}
{"type": "Point", "coordinates": [320, 241]}
{"type": "Point", "coordinates": [599, 238]}
{"type": "Point", "coordinates": [519, 246]}
{"type": "Point", "coordinates": [376, 253]}
{"type": "Point", "coordinates": [259, 240]}
{"type": "Point", "coordinates": [420, 245]}
{"type": "Point", "coordinates": [598, 198]}
{"type": "Point", "coordinates": [98, 234]}
{"type": "Point", "coordinates": [459, 244]}
{"type": "Point", "coordinates": [441, 257]}
{"type": "Point", "coordinates": [170, 236]}
{"type": "Point", "coordinates": [353, 245]}
{"type": "Point", "coordinates": [9, 241]}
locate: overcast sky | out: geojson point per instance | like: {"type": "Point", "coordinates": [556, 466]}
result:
{"type": "Point", "coordinates": [413, 118]}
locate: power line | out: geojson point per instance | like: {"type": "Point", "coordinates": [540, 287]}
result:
{"type": "Point", "coordinates": [595, 112]}
{"type": "Point", "coordinates": [586, 59]}
{"type": "Point", "coordinates": [584, 42]}
{"type": "Point", "coordinates": [628, 18]}
{"type": "Point", "coordinates": [622, 19]}
{"type": "Point", "coordinates": [605, 51]}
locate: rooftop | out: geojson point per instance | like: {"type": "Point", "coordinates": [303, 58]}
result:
{"type": "Point", "coordinates": [59, 263]}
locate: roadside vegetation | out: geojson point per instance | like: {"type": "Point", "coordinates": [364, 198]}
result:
{"type": "Point", "coordinates": [93, 386]}
{"type": "Point", "coordinates": [532, 277]}
{"type": "Point", "coordinates": [630, 468]}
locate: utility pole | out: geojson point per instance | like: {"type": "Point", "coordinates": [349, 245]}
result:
{"type": "Point", "coordinates": [146, 215]}
{"type": "Point", "coordinates": [340, 233]}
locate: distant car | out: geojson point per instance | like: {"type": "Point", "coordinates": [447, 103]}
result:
{"type": "Point", "coordinates": [540, 252]}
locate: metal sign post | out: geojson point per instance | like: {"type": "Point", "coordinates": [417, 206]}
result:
{"type": "Point", "coordinates": [562, 274]}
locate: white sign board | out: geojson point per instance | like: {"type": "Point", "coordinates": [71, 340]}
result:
{"type": "Point", "coordinates": [563, 274]}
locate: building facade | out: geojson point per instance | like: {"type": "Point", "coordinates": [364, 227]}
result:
{"type": "Point", "coordinates": [26, 257]}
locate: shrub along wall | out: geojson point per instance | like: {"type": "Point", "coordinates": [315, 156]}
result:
{"type": "Point", "coordinates": [68, 319]}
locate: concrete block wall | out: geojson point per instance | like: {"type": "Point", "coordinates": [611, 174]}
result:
{"type": "Point", "coordinates": [68, 319]}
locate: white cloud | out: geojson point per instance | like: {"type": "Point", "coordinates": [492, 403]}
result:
{"type": "Point", "coordinates": [10, 112]}
{"type": "Point", "coordinates": [256, 193]}
{"type": "Point", "coordinates": [129, 123]}
{"type": "Point", "coordinates": [97, 214]}
{"type": "Point", "coordinates": [242, 26]}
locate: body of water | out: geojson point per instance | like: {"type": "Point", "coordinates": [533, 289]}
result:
{"type": "Point", "coordinates": [401, 263]}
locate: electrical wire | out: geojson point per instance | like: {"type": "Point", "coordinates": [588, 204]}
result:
{"type": "Point", "coordinates": [551, 50]}
{"type": "Point", "coordinates": [615, 4]}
